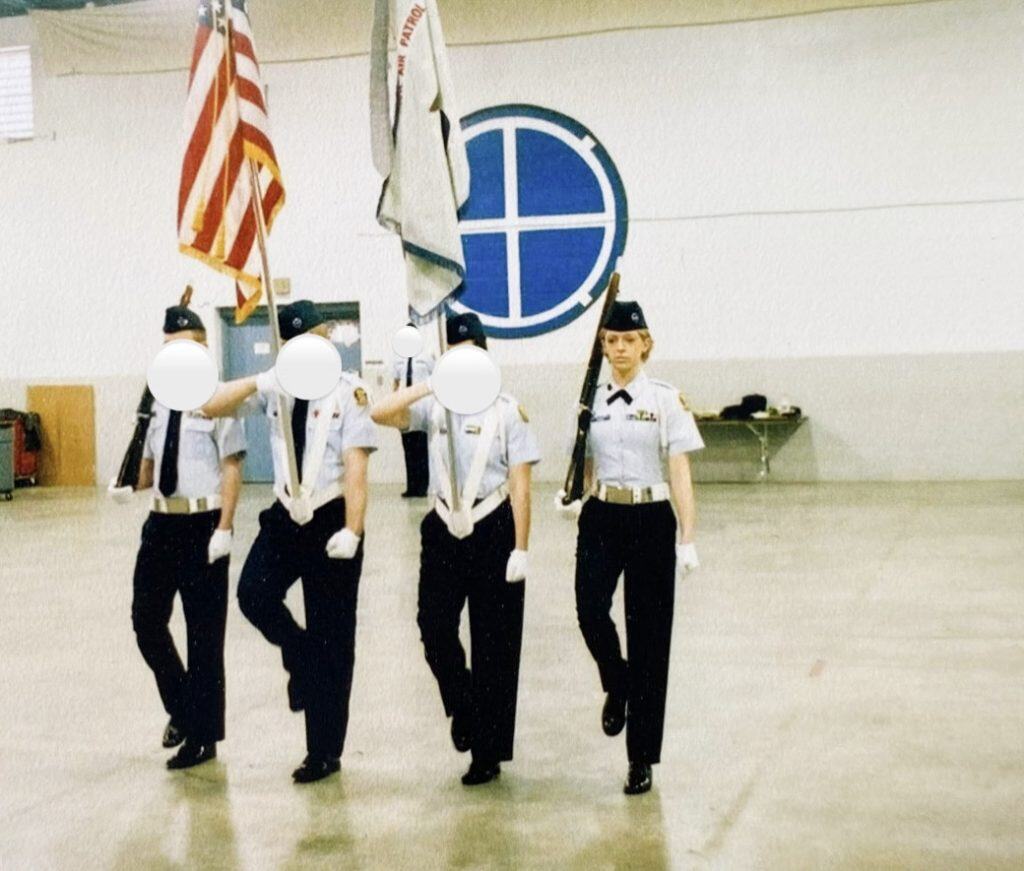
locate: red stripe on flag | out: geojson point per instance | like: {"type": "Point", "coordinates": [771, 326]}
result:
{"type": "Point", "coordinates": [249, 90]}
{"type": "Point", "coordinates": [273, 195]}
{"type": "Point", "coordinates": [243, 45]}
{"type": "Point", "coordinates": [243, 241]}
{"type": "Point", "coordinates": [257, 138]}
{"type": "Point", "coordinates": [201, 136]}
{"type": "Point", "coordinates": [221, 193]}
{"type": "Point", "coordinates": [202, 37]}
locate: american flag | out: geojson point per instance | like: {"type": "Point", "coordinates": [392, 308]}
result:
{"type": "Point", "coordinates": [227, 125]}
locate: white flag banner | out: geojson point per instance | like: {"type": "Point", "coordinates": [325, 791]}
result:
{"type": "Point", "coordinates": [422, 153]}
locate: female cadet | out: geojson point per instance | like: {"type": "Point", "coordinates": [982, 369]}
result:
{"type": "Point", "coordinates": [482, 558]}
{"type": "Point", "coordinates": [629, 526]}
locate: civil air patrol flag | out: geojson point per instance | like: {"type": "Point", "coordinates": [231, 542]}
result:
{"type": "Point", "coordinates": [422, 154]}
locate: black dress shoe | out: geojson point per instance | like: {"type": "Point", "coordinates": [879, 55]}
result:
{"type": "Point", "coordinates": [173, 735]}
{"type": "Point", "coordinates": [480, 772]}
{"type": "Point", "coordinates": [639, 779]}
{"type": "Point", "coordinates": [316, 768]}
{"type": "Point", "coordinates": [462, 729]}
{"type": "Point", "coordinates": [406, 495]}
{"type": "Point", "coordinates": [192, 753]}
{"type": "Point", "coordinates": [613, 716]}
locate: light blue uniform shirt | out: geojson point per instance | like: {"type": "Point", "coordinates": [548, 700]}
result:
{"type": "Point", "coordinates": [202, 444]}
{"type": "Point", "coordinates": [520, 443]}
{"type": "Point", "coordinates": [350, 427]}
{"type": "Point", "coordinates": [625, 438]}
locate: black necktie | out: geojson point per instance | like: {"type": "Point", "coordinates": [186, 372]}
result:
{"type": "Point", "coordinates": [408, 373]}
{"type": "Point", "coordinates": [620, 394]}
{"type": "Point", "coordinates": [299, 413]}
{"type": "Point", "coordinates": [169, 461]}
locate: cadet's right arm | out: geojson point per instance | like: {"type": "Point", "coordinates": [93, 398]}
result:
{"type": "Point", "coordinates": [230, 396]}
{"type": "Point", "coordinates": [393, 409]}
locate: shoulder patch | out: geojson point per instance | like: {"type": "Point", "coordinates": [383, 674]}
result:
{"type": "Point", "coordinates": [522, 414]}
{"type": "Point", "coordinates": [360, 396]}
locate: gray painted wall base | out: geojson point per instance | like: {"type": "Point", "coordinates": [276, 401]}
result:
{"type": "Point", "coordinates": [939, 417]}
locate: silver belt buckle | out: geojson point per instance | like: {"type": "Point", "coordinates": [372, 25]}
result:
{"type": "Point", "coordinates": [638, 495]}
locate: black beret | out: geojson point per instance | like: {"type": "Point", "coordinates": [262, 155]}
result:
{"type": "Point", "coordinates": [178, 318]}
{"type": "Point", "coordinates": [466, 327]}
{"type": "Point", "coordinates": [297, 318]}
{"type": "Point", "coordinates": [625, 317]}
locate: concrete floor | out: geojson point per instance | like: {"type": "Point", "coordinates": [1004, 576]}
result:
{"type": "Point", "coordinates": [847, 692]}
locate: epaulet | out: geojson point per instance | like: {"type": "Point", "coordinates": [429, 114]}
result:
{"type": "Point", "coordinates": [511, 403]}
{"type": "Point", "coordinates": [664, 385]}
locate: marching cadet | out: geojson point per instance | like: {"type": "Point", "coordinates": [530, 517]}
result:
{"type": "Point", "coordinates": [638, 427]}
{"type": "Point", "coordinates": [316, 535]}
{"type": "Point", "coordinates": [408, 371]}
{"type": "Point", "coordinates": [479, 554]}
{"type": "Point", "coordinates": [196, 464]}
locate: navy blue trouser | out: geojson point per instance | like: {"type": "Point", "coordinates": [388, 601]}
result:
{"type": "Point", "coordinates": [323, 653]}
{"type": "Point", "coordinates": [453, 571]}
{"type": "Point", "coordinates": [417, 470]}
{"type": "Point", "coordinates": [640, 541]}
{"type": "Point", "coordinates": [173, 560]}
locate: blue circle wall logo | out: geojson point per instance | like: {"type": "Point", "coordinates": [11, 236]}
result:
{"type": "Point", "coordinates": [545, 221]}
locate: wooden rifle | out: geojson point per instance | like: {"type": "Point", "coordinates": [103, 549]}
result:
{"type": "Point", "coordinates": [574, 477]}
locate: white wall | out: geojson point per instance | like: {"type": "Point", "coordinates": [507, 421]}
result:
{"type": "Point", "coordinates": [846, 185]}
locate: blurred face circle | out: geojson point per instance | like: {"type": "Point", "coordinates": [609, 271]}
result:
{"type": "Point", "coordinates": [308, 366]}
{"type": "Point", "coordinates": [182, 375]}
{"type": "Point", "coordinates": [466, 380]}
{"type": "Point", "coordinates": [407, 341]}
{"type": "Point", "coordinates": [624, 351]}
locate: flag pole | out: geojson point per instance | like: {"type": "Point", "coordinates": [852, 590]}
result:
{"type": "Point", "coordinates": [283, 411]}
{"type": "Point", "coordinates": [453, 477]}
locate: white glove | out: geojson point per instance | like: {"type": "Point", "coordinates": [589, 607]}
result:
{"type": "Point", "coordinates": [219, 546]}
{"type": "Point", "coordinates": [121, 495]}
{"type": "Point", "coordinates": [686, 560]}
{"type": "Point", "coordinates": [343, 544]}
{"type": "Point", "coordinates": [266, 382]}
{"type": "Point", "coordinates": [573, 508]}
{"type": "Point", "coordinates": [461, 523]}
{"type": "Point", "coordinates": [516, 569]}
{"type": "Point", "coordinates": [300, 509]}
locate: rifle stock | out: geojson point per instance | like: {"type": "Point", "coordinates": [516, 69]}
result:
{"type": "Point", "coordinates": [128, 475]}
{"type": "Point", "coordinates": [574, 477]}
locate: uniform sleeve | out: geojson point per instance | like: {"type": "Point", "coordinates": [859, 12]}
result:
{"type": "Point", "coordinates": [683, 435]}
{"type": "Point", "coordinates": [357, 428]}
{"type": "Point", "coordinates": [522, 444]}
{"type": "Point", "coordinates": [255, 404]}
{"type": "Point", "coordinates": [419, 415]}
{"type": "Point", "coordinates": [230, 437]}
